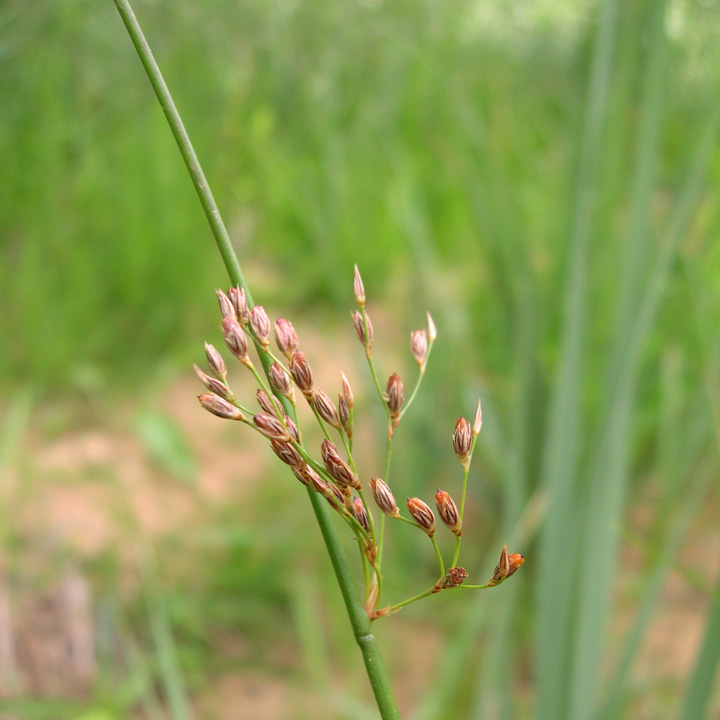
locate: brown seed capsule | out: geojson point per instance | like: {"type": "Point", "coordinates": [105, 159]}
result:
{"type": "Point", "coordinates": [365, 338]}
{"type": "Point", "coordinates": [260, 324]}
{"type": "Point", "coordinates": [462, 439]}
{"type": "Point", "coordinates": [507, 565]}
{"type": "Point", "coordinates": [302, 374]}
{"type": "Point", "coordinates": [337, 467]}
{"type": "Point", "coordinates": [361, 515]}
{"type": "Point", "coordinates": [214, 385]}
{"type": "Point", "coordinates": [447, 509]}
{"type": "Point", "coordinates": [239, 302]}
{"type": "Point", "coordinates": [288, 453]}
{"type": "Point", "coordinates": [226, 307]}
{"type": "Point", "coordinates": [235, 339]}
{"type": "Point", "coordinates": [419, 347]}
{"type": "Point", "coordinates": [281, 381]}
{"type": "Point", "coordinates": [347, 392]}
{"type": "Point", "coordinates": [358, 288]}
{"type": "Point", "coordinates": [327, 411]}
{"type": "Point", "coordinates": [216, 362]}
{"type": "Point", "coordinates": [384, 498]}
{"type": "Point", "coordinates": [286, 337]}
{"type": "Point", "coordinates": [217, 406]}
{"type": "Point", "coordinates": [271, 427]}
{"type": "Point", "coordinates": [454, 577]}
{"type": "Point", "coordinates": [477, 423]}
{"type": "Point", "coordinates": [265, 402]}
{"type": "Point", "coordinates": [432, 330]}
{"type": "Point", "coordinates": [394, 395]}
{"type": "Point", "coordinates": [422, 514]}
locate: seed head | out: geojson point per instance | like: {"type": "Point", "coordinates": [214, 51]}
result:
{"type": "Point", "coordinates": [217, 406]}
{"type": "Point", "coordinates": [358, 288]}
{"type": "Point", "coordinates": [265, 402]}
{"type": "Point", "coordinates": [462, 440]}
{"type": "Point", "coordinates": [395, 395]}
{"type": "Point", "coordinates": [360, 513]}
{"type": "Point", "coordinates": [281, 381]}
{"type": "Point", "coordinates": [454, 577]}
{"type": "Point", "coordinates": [235, 339]}
{"type": "Point", "coordinates": [287, 452]}
{"type": "Point", "coordinates": [260, 324]}
{"type": "Point", "coordinates": [384, 498]}
{"type": "Point", "coordinates": [419, 347]}
{"type": "Point", "coordinates": [286, 337]}
{"type": "Point", "coordinates": [239, 302]}
{"type": "Point", "coordinates": [216, 363]}
{"type": "Point", "coordinates": [422, 514]}
{"type": "Point", "coordinates": [327, 411]}
{"type": "Point", "coordinates": [365, 338]}
{"type": "Point", "coordinates": [337, 467]}
{"type": "Point", "coordinates": [447, 509]}
{"type": "Point", "coordinates": [302, 374]}
{"type": "Point", "coordinates": [226, 307]}
{"type": "Point", "coordinates": [214, 385]}
{"type": "Point", "coordinates": [271, 427]}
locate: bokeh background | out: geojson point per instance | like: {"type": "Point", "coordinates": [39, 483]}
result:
{"type": "Point", "coordinates": [542, 175]}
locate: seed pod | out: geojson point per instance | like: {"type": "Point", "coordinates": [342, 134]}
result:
{"type": "Point", "coordinates": [337, 467]}
{"type": "Point", "coordinates": [361, 515]}
{"type": "Point", "coordinates": [454, 577]}
{"type": "Point", "coordinates": [217, 406]}
{"type": "Point", "coordinates": [515, 560]}
{"type": "Point", "coordinates": [292, 428]}
{"type": "Point", "coordinates": [239, 302]}
{"type": "Point", "coordinates": [507, 565]}
{"type": "Point", "coordinates": [462, 440]}
{"type": "Point", "coordinates": [327, 411]}
{"type": "Point", "coordinates": [302, 473]}
{"type": "Point", "coordinates": [394, 395]}
{"type": "Point", "coordinates": [422, 514]}
{"type": "Point", "coordinates": [265, 402]}
{"type": "Point", "coordinates": [235, 339]}
{"type": "Point", "coordinates": [365, 338]}
{"type": "Point", "coordinates": [226, 307]}
{"type": "Point", "coordinates": [214, 385]}
{"type": "Point", "coordinates": [271, 427]}
{"type": "Point", "coordinates": [477, 423]}
{"type": "Point", "coordinates": [302, 374]}
{"type": "Point", "coordinates": [347, 392]}
{"type": "Point", "coordinates": [260, 324]}
{"type": "Point", "coordinates": [281, 381]}
{"type": "Point", "coordinates": [419, 347]}
{"type": "Point", "coordinates": [358, 288]}
{"type": "Point", "coordinates": [344, 414]}
{"type": "Point", "coordinates": [216, 362]}
{"type": "Point", "coordinates": [432, 330]}
{"type": "Point", "coordinates": [384, 498]}
{"type": "Point", "coordinates": [447, 509]}
{"type": "Point", "coordinates": [315, 480]}
{"type": "Point", "coordinates": [286, 337]}
{"type": "Point", "coordinates": [288, 453]}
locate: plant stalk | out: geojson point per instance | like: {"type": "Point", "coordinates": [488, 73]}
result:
{"type": "Point", "coordinates": [359, 619]}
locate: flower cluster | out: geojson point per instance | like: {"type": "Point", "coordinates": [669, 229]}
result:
{"type": "Point", "coordinates": [286, 376]}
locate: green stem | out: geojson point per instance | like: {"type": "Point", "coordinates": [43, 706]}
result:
{"type": "Point", "coordinates": [359, 619]}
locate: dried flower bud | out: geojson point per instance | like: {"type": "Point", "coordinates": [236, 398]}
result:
{"type": "Point", "coordinates": [361, 515]}
{"type": "Point", "coordinates": [422, 514]}
{"type": "Point", "coordinates": [326, 410]}
{"type": "Point", "coordinates": [507, 565]}
{"type": "Point", "coordinates": [419, 347]}
{"type": "Point", "coordinates": [235, 339]}
{"type": "Point", "coordinates": [335, 496]}
{"type": "Point", "coordinates": [217, 406]}
{"type": "Point", "coordinates": [447, 509]}
{"type": "Point", "coordinates": [462, 440]}
{"type": "Point", "coordinates": [265, 402]}
{"type": "Point", "coordinates": [358, 288]}
{"type": "Point", "coordinates": [432, 330]}
{"type": "Point", "coordinates": [281, 381]}
{"type": "Point", "coordinates": [344, 414]}
{"type": "Point", "coordinates": [260, 324]}
{"type": "Point", "coordinates": [337, 467]}
{"type": "Point", "coordinates": [286, 337]}
{"type": "Point", "coordinates": [301, 473]}
{"type": "Point", "coordinates": [302, 374]}
{"type": "Point", "coordinates": [239, 302]}
{"type": "Point", "coordinates": [477, 423]}
{"type": "Point", "coordinates": [226, 307]}
{"type": "Point", "coordinates": [315, 480]}
{"type": "Point", "coordinates": [271, 427]}
{"type": "Point", "coordinates": [292, 428]}
{"type": "Point", "coordinates": [454, 577]}
{"type": "Point", "coordinates": [214, 385]}
{"type": "Point", "coordinates": [288, 453]}
{"type": "Point", "coordinates": [384, 498]}
{"type": "Point", "coordinates": [365, 338]}
{"type": "Point", "coordinates": [394, 395]}
{"type": "Point", "coordinates": [216, 362]}
{"type": "Point", "coordinates": [515, 560]}
{"type": "Point", "coordinates": [347, 392]}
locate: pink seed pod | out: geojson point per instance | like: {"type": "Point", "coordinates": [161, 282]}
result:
{"type": "Point", "coordinates": [214, 385]}
{"type": "Point", "coordinates": [271, 427]}
{"type": "Point", "coordinates": [239, 302]}
{"type": "Point", "coordinates": [226, 307]}
{"type": "Point", "coordinates": [216, 363]}
{"type": "Point", "coordinates": [477, 423]}
{"type": "Point", "coordinates": [361, 514]}
{"type": "Point", "coordinates": [347, 392]}
{"type": "Point", "coordinates": [384, 498]}
{"type": "Point", "coordinates": [327, 411]}
{"type": "Point", "coordinates": [292, 428]}
{"type": "Point", "coordinates": [344, 414]}
{"type": "Point", "coordinates": [302, 374]}
{"type": "Point", "coordinates": [288, 453]}
{"type": "Point", "coordinates": [260, 324]}
{"type": "Point", "coordinates": [395, 395]}
{"type": "Point", "coordinates": [338, 469]}
{"type": "Point", "coordinates": [265, 402]}
{"type": "Point", "coordinates": [235, 339]}
{"type": "Point", "coordinates": [447, 509]}
{"type": "Point", "coordinates": [366, 338]}
{"type": "Point", "coordinates": [462, 439]}
{"type": "Point", "coordinates": [422, 514]}
{"type": "Point", "coordinates": [286, 337]}
{"type": "Point", "coordinates": [432, 330]}
{"type": "Point", "coordinates": [358, 288]}
{"type": "Point", "coordinates": [217, 406]}
{"type": "Point", "coordinates": [419, 347]}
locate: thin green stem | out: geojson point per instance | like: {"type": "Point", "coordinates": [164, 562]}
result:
{"type": "Point", "coordinates": [414, 598]}
{"type": "Point", "coordinates": [359, 619]}
{"type": "Point", "coordinates": [439, 556]}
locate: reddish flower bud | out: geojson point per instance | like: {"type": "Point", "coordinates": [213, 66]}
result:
{"type": "Point", "coordinates": [226, 307]}
{"type": "Point", "coordinates": [217, 406]}
{"type": "Point", "coordinates": [302, 374]}
{"type": "Point", "coordinates": [507, 565]}
{"type": "Point", "coordinates": [235, 339]}
{"type": "Point", "coordinates": [419, 347]}
{"type": "Point", "coordinates": [347, 392]}
{"type": "Point", "coordinates": [462, 440]}
{"type": "Point", "coordinates": [271, 427]}
{"type": "Point", "coordinates": [214, 385]}
{"type": "Point", "coordinates": [394, 395]}
{"type": "Point", "coordinates": [265, 402]}
{"type": "Point", "coordinates": [239, 302]}
{"type": "Point", "coordinates": [281, 381]}
{"type": "Point", "coordinates": [384, 498]}
{"type": "Point", "coordinates": [358, 288]}
{"type": "Point", "coordinates": [292, 428]}
{"type": "Point", "coordinates": [477, 423]}
{"type": "Point", "coordinates": [361, 515]}
{"type": "Point", "coordinates": [216, 362]}
{"type": "Point", "coordinates": [337, 467]}
{"type": "Point", "coordinates": [447, 509]}
{"type": "Point", "coordinates": [326, 410]}
{"type": "Point", "coordinates": [288, 453]}
{"type": "Point", "coordinates": [422, 514]}
{"type": "Point", "coordinates": [260, 324]}
{"type": "Point", "coordinates": [286, 337]}
{"type": "Point", "coordinates": [302, 473]}
{"type": "Point", "coordinates": [344, 414]}
{"type": "Point", "coordinates": [365, 338]}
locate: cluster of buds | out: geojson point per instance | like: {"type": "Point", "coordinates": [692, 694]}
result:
{"type": "Point", "coordinates": [334, 475]}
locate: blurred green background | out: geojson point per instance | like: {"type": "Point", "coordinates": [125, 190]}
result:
{"type": "Point", "coordinates": [541, 175]}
